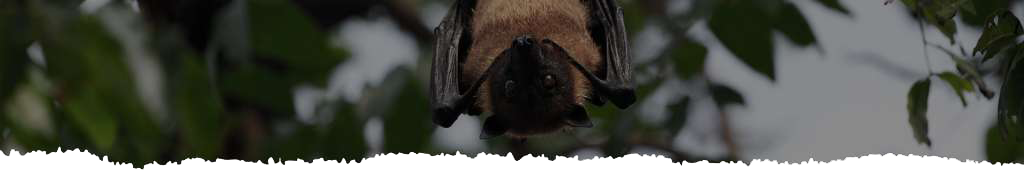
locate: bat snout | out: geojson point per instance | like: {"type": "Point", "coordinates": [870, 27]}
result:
{"type": "Point", "coordinates": [523, 42]}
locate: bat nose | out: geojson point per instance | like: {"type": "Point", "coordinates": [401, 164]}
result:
{"type": "Point", "coordinates": [523, 42]}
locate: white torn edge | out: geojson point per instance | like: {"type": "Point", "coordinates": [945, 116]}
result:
{"type": "Point", "coordinates": [78, 161]}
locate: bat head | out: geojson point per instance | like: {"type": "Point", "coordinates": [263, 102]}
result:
{"type": "Point", "coordinates": [532, 90]}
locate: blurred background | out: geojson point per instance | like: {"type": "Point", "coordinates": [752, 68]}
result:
{"type": "Point", "coordinates": [144, 81]}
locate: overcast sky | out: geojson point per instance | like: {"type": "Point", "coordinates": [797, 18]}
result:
{"type": "Point", "coordinates": [849, 100]}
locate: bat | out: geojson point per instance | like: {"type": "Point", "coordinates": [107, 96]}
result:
{"type": "Point", "coordinates": [531, 64]}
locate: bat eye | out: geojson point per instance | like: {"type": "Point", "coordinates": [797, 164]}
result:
{"type": "Point", "coordinates": [549, 81]}
{"type": "Point", "coordinates": [509, 86]}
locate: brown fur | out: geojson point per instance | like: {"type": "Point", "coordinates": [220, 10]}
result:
{"type": "Point", "coordinates": [496, 23]}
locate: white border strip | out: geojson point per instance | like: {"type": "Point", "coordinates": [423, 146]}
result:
{"type": "Point", "coordinates": [76, 162]}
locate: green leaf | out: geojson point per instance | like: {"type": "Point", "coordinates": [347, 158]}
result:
{"type": "Point", "coordinates": [981, 10]}
{"type": "Point", "coordinates": [678, 116]}
{"type": "Point", "coordinates": [260, 88]}
{"type": "Point", "coordinates": [280, 30]}
{"type": "Point", "coordinates": [99, 124]}
{"type": "Point", "coordinates": [745, 29]}
{"type": "Point", "coordinates": [917, 106]}
{"type": "Point", "coordinates": [14, 64]}
{"type": "Point", "coordinates": [13, 41]}
{"type": "Point", "coordinates": [277, 35]}
{"type": "Point", "coordinates": [689, 59]}
{"type": "Point", "coordinates": [1011, 99]}
{"type": "Point", "coordinates": [834, 5]}
{"type": "Point", "coordinates": [270, 47]}
{"type": "Point", "coordinates": [911, 4]}
{"type": "Point", "coordinates": [298, 142]}
{"type": "Point", "coordinates": [634, 16]}
{"type": "Point", "coordinates": [344, 138]}
{"type": "Point", "coordinates": [102, 91]}
{"type": "Point", "coordinates": [995, 46]}
{"type": "Point", "coordinates": [12, 72]}
{"type": "Point", "coordinates": [725, 95]}
{"type": "Point", "coordinates": [194, 102]}
{"type": "Point", "coordinates": [1000, 32]}
{"type": "Point", "coordinates": [946, 25]}
{"type": "Point", "coordinates": [646, 89]}
{"type": "Point", "coordinates": [939, 13]}
{"type": "Point", "coordinates": [198, 108]}
{"type": "Point", "coordinates": [794, 26]}
{"type": "Point", "coordinates": [407, 123]}
{"type": "Point", "coordinates": [958, 84]}
{"type": "Point", "coordinates": [967, 6]}
{"type": "Point", "coordinates": [999, 149]}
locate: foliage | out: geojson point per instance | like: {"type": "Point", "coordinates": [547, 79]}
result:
{"type": "Point", "coordinates": [226, 73]}
{"type": "Point", "coordinates": [917, 105]}
{"type": "Point", "coordinates": [997, 43]}
{"type": "Point", "coordinates": [210, 101]}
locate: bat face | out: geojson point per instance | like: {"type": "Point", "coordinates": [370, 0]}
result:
{"type": "Point", "coordinates": [532, 90]}
{"type": "Point", "coordinates": [531, 63]}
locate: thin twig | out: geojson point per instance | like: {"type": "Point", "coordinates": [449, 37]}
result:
{"type": "Point", "coordinates": [924, 44]}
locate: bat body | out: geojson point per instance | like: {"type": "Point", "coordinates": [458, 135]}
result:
{"type": "Point", "coordinates": [531, 63]}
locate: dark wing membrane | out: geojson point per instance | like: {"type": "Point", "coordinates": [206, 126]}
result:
{"type": "Point", "coordinates": [450, 47]}
{"type": "Point", "coordinates": [609, 32]}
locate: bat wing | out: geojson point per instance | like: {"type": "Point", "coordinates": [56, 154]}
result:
{"type": "Point", "coordinates": [451, 45]}
{"type": "Point", "coordinates": [609, 32]}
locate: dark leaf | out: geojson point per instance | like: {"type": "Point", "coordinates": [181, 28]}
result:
{"type": "Point", "coordinates": [407, 123]}
{"type": "Point", "coordinates": [271, 46]}
{"type": "Point", "coordinates": [101, 92]}
{"type": "Point", "coordinates": [344, 138]}
{"type": "Point", "coordinates": [746, 30]}
{"type": "Point", "coordinates": [967, 6]}
{"type": "Point", "coordinates": [1011, 99]}
{"type": "Point", "coordinates": [939, 13]}
{"type": "Point", "coordinates": [834, 5]}
{"type": "Point", "coordinates": [14, 39]}
{"type": "Point", "coordinates": [14, 29]}
{"type": "Point", "coordinates": [917, 106]}
{"type": "Point", "coordinates": [279, 30]}
{"type": "Point", "coordinates": [678, 116]}
{"type": "Point", "coordinates": [98, 124]}
{"type": "Point", "coordinates": [999, 149]}
{"type": "Point", "coordinates": [198, 107]}
{"type": "Point", "coordinates": [1000, 32]}
{"type": "Point", "coordinates": [259, 87]}
{"type": "Point", "coordinates": [981, 10]}
{"type": "Point", "coordinates": [101, 95]}
{"type": "Point", "coordinates": [725, 95]}
{"type": "Point", "coordinates": [294, 141]}
{"type": "Point", "coordinates": [648, 88]}
{"type": "Point", "coordinates": [794, 26]}
{"type": "Point", "coordinates": [634, 16]}
{"type": "Point", "coordinates": [946, 25]}
{"type": "Point", "coordinates": [689, 59]}
{"type": "Point", "coordinates": [958, 84]}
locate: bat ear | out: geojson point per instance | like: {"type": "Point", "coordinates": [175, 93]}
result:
{"type": "Point", "coordinates": [578, 117]}
{"type": "Point", "coordinates": [493, 127]}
